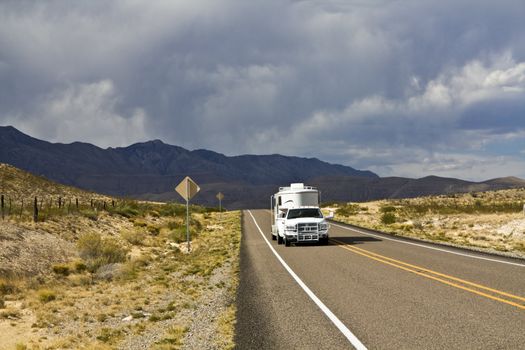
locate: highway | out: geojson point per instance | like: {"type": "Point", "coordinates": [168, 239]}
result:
{"type": "Point", "coordinates": [367, 290]}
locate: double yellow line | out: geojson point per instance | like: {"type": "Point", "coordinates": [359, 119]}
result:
{"type": "Point", "coordinates": [475, 288]}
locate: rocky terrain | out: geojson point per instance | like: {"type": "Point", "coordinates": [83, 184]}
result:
{"type": "Point", "coordinates": [114, 277]}
{"type": "Point", "coordinates": [492, 221]}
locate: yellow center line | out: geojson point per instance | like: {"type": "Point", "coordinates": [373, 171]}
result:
{"type": "Point", "coordinates": [414, 269]}
{"type": "Point", "coordinates": [437, 273]}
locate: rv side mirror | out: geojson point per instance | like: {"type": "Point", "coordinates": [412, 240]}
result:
{"type": "Point", "coordinates": [330, 215]}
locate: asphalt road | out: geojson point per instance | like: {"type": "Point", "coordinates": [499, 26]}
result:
{"type": "Point", "coordinates": [389, 294]}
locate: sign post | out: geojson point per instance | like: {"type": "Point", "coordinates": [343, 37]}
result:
{"type": "Point", "coordinates": [187, 188]}
{"type": "Point", "coordinates": [220, 197]}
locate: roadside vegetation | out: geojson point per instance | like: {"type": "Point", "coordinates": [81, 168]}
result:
{"type": "Point", "coordinates": [492, 221]}
{"type": "Point", "coordinates": [116, 278]}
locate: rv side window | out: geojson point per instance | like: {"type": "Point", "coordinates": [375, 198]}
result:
{"type": "Point", "coordinates": [279, 201]}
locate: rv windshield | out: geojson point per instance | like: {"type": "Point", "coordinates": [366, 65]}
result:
{"type": "Point", "coordinates": [304, 213]}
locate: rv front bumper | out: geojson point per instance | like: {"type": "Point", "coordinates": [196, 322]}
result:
{"type": "Point", "coordinates": [305, 237]}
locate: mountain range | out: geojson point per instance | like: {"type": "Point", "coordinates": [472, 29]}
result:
{"type": "Point", "coordinates": [151, 170]}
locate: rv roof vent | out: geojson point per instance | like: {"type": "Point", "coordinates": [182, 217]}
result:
{"type": "Point", "coordinates": [297, 186]}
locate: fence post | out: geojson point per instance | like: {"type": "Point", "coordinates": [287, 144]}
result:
{"type": "Point", "coordinates": [2, 200]}
{"type": "Point", "coordinates": [76, 203]}
{"type": "Point", "coordinates": [59, 202]}
{"type": "Point", "coordinates": [35, 210]}
{"type": "Point", "coordinates": [113, 203]}
{"type": "Point", "coordinates": [104, 205]}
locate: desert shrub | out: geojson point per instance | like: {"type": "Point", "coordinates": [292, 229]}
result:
{"type": "Point", "coordinates": [135, 237]}
{"type": "Point", "coordinates": [108, 272]}
{"type": "Point", "coordinates": [173, 225]}
{"type": "Point", "coordinates": [98, 251]}
{"type": "Point", "coordinates": [107, 335]}
{"type": "Point", "coordinates": [61, 269]}
{"type": "Point", "coordinates": [387, 209]}
{"type": "Point", "coordinates": [9, 313]}
{"type": "Point", "coordinates": [195, 224]}
{"type": "Point", "coordinates": [173, 338]}
{"type": "Point", "coordinates": [153, 230]}
{"type": "Point", "coordinates": [388, 218]}
{"type": "Point", "coordinates": [90, 214]}
{"type": "Point", "coordinates": [80, 280]}
{"type": "Point", "coordinates": [7, 287]}
{"type": "Point", "coordinates": [79, 266]}
{"type": "Point", "coordinates": [213, 209]}
{"type": "Point", "coordinates": [130, 209]}
{"type": "Point", "coordinates": [154, 318]}
{"type": "Point", "coordinates": [129, 270]}
{"type": "Point", "coordinates": [348, 209]}
{"type": "Point", "coordinates": [520, 246]}
{"type": "Point", "coordinates": [178, 235]}
{"type": "Point", "coordinates": [172, 209]}
{"type": "Point", "coordinates": [101, 317]}
{"type": "Point", "coordinates": [139, 223]}
{"type": "Point", "coordinates": [178, 232]}
{"type": "Point", "coordinates": [46, 295]}
{"type": "Point", "coordinates": [125, 211]}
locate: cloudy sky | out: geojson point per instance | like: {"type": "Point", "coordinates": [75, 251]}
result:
{"type": "Point", "coordinates": [406, 88]}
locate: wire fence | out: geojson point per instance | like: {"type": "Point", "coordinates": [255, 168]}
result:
{"type": "Point", "coordinates": [40, 208]}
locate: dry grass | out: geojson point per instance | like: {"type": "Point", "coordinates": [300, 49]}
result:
{"type": "Point", "coordinates": [17, 184]}
{"type": "Point", "coordinates": [125, 280]}
{"type": "Point", "coordinates": [492, 221]}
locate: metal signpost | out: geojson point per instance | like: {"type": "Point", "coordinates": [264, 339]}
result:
{"type": "Point", "coordinates": [187, 189]}
{"type": "Point", "coordinates": [220, 197]}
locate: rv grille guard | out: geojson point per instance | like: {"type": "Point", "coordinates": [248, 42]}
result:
{"type": "Point", "coordinates": [307, 232]}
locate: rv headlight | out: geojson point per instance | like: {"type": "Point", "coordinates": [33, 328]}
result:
{"type": "Point", "coordinates": [290, 228]}
{"type": "Point", "coordinates": [323, 227]}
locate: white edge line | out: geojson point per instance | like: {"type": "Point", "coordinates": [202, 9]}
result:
{"type": "Point", "coordinates": [346, 332]}
{"type": "Point", "coordinates": [426, 246]}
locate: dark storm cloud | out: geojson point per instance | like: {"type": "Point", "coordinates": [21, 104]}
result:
{"type": "Point", "coordinates": [400, 87]}
{"type": "Point", "coordinates": [497, 116]}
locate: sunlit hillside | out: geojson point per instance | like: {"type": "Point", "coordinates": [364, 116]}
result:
{"type": "Point", "coordinates": [113, 275]}
{"type": "Point", "coordinates": [492, 221]}
{"type": "Point", "coordinates": [18, 184]}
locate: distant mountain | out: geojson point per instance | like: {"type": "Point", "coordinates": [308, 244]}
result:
{"type": "Point", "coordinates": [152, 169]}
{"type": "Point", "coordinates": [359, 189]}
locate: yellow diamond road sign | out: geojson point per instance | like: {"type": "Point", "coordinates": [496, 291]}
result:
{"type": "Point", "coordinates": [220, 196]}
{"type": "Point", "coordinates": [187, 188]}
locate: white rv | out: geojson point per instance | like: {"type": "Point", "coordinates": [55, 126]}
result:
{"type": "Point", "coordinates": [296, 217]}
